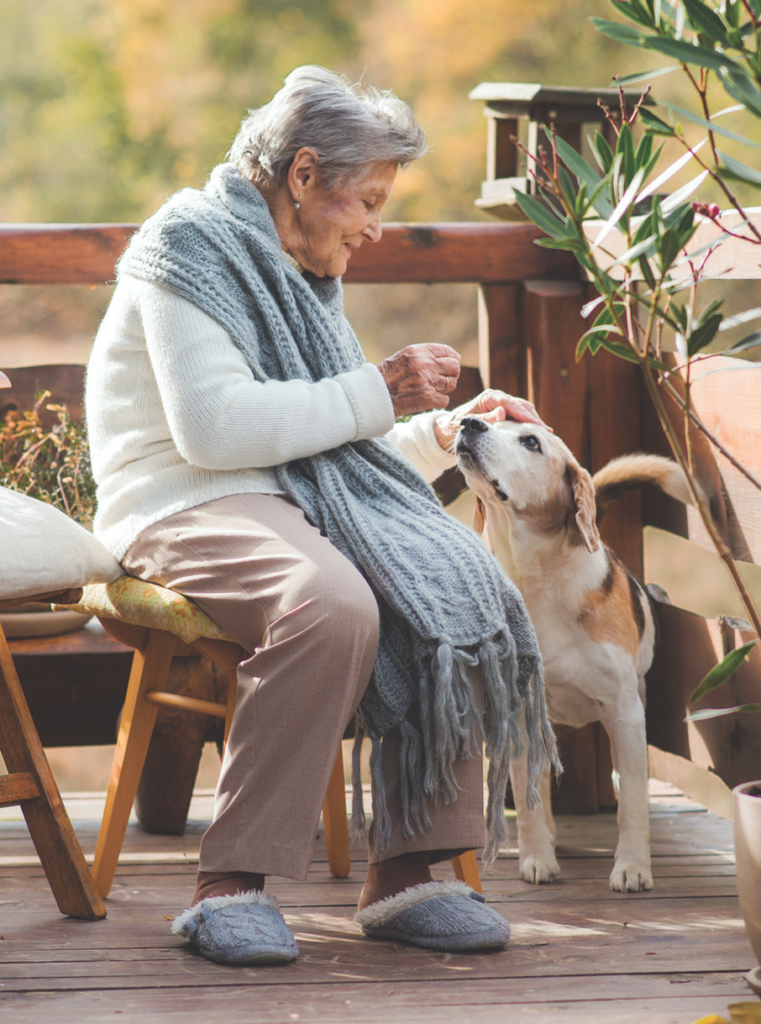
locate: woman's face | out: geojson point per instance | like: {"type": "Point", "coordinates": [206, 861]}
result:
{"type": "Point", "coordinates": [329, 225]}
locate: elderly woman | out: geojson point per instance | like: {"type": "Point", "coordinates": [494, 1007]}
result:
{"type": "Point", "coordinates": [247, 456]}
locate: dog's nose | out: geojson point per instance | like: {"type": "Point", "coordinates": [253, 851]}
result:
{"type": "Point", "coordinates": [474, 423]}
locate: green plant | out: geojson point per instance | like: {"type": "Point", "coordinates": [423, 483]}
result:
{"type": "Point", "coordinates": [652, 287]}
{"type": "Point", "coordinates": [50, 464]}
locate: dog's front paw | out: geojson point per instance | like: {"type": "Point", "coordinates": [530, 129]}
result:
{"type": "Point", "coordinates": [537, 869]}
{"type": "Point", "coordinates": [631, 877]}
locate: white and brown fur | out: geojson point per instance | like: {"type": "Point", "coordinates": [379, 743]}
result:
{"type": "Point", "coordinates": [536, 508]}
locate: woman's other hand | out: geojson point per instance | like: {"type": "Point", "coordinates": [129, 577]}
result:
{"type": "Point", "coordinates": [492, 407]}
{"type": "Point", "coordinates": [421, 377]}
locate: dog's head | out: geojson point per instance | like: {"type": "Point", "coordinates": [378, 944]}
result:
{"type": "Point", "coordinates": [528, 473]}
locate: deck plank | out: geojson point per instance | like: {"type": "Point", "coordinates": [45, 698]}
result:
{"type": "Point", "coordinates": [578, 950]}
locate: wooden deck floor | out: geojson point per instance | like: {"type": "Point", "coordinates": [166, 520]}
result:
{"type": "Point", "coordinates": [579, 953]}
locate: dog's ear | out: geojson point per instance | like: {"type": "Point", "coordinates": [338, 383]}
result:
{"type": "Point", "coordinates": [479, 516]}
{"type": "Point", "coordinates": [581, 524]}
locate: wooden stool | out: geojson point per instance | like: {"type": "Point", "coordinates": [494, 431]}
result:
{"type": "Point", "coordinates": [31, 785]}
{"type": "Point", "coordinates": [160, 623]}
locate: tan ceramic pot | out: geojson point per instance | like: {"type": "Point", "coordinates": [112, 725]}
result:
{"type": "Point", "coordinates": [746, 812]}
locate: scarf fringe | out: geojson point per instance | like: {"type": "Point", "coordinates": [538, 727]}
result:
{"type": "Point", "coordinates": [358, 823]}
{"type": "Point", "coordinates": [452, 728]}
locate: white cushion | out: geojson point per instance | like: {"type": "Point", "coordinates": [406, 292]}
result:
{"type": "Point", "coordinates": [41, 549]}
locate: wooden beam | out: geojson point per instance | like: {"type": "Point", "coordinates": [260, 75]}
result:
{"type": "Point", "coordinates": [16, 788]}
{"type": "Point", "coordinates": [417, 253]}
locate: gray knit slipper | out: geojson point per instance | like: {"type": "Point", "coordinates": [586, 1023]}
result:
{"type": "Point", "coordinates": [243, 929]}
{"type": "Point", "coordinates": [446, 916]}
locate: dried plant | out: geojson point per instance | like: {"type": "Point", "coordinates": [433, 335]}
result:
{"type": "Point", "coordinates": [52, 464]}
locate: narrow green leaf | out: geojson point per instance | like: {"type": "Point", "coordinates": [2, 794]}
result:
{"type": "Point", "coordinates": [710, 125]}
{"type": "Point", "coordinates": [668, 248]}
{"type": "Point", "coordinates": [704, 334]}
{"type": "Point", "coordinates": [586, 174]}
{"type": "Point", "coordinates": [654, 124]}
{"type": "Point", "coordinates": [581, 348]}
{"type": "Point", "coordinates": [750, 341]}
{"type": "Point", "coordinates": [690, 54]}
{"type": "Point", "coordinates": [701, 716]}
{"type": "Point", "coordinates": [670, 171]}
{"type": "Point", "coordinates": [635, 252]}
{"type": "Point", "coordinates": [625, 146]}
{"type": "Point", "coordinates": [703, 19]}
{"type": "Point", "coordinates": [742, 88]}
{"type": "Point", "coordinates": [679, 313]}
{"type": "Point", "coordinates": [621, 209]}
{"type": "Point", "coordinates": [598, 202]}
{"type": "Point", "coordinates": [643, 76]}
{"type": "Point", "coordinates": [567, 185]}
{"type": "Point", "coordinates": [569, 242]}
{"type": "Point", "coordinates": [732, 14]}
{"type": "Point", "coordinates": [738, 170]}
{"type": "Point", "coordinates": [540, 215]}
{"type": "Point", "coordinates": [676, 199]}
{"type": "Point", "coordinates": [636, 12]}
{"type": "Point", "coordinates": [591, 306]}
{"type": "Point", "coordinates": [643, 151]}
{"type": "Point", "coordinates": [723, 671]}
{"type": "Point", "coordinates": [711, 308]}
{"type": "Point", "coordinates": [646, 271]}
{"type": "Point", "coordinates": [653, 161]}
{"type": "Point", "coordinates": [621, 33]}
{"type": "Point", "coordinates": [624, 351]}
{"type": "Point", "coordinates": [603, 152]}
{"type": "Point", "coordinates": [741, 318]}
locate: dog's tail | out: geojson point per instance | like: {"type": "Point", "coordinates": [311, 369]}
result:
{"type": "Point", "coordinates": [632, 471]}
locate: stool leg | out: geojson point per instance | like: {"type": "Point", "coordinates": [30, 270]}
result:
{"type": "Point", "coordinates": [335, 822]}
{"type": "Point", "coordinates": [150, 669]}
{"type": "Point", "coordinates": [466, 869]}
{"type": "Point", "coordinates": [49, 826]}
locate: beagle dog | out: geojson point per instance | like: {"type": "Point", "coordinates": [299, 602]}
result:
{"type": "Point", "coordinates": [537, 510]}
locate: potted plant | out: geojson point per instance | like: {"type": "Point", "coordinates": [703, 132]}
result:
{"type": "Point", "coordinates": [51, 463]}
{"type": "Point", "coordinates": [634, 245]}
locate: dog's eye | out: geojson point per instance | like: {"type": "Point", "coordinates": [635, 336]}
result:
{"type": "Point", "coordinates": [532, 443]}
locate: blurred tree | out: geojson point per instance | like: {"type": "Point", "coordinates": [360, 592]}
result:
{"type": "Point", "coordinates": [108, 106]}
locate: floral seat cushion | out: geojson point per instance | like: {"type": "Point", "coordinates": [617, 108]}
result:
{"type": "Point", "coordinates": [146, 604]}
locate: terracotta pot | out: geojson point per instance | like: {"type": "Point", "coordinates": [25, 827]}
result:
{"type": "Point", "coordinates": [746, 813]}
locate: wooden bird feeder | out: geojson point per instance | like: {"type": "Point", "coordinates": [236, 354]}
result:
{"type": "Point", "coordinates": [524, 110]}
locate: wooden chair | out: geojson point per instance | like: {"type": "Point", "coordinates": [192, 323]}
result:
{"type": "Point", "coordinates": [160, 623]}
{"type": "Point", "coordinates": [31, 785]}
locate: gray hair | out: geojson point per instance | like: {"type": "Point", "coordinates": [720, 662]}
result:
{"type": "Point", "coordinates": [349, 127]}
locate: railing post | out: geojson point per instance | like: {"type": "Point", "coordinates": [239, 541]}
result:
{"type": "Point", "coordinates": [500, 352]}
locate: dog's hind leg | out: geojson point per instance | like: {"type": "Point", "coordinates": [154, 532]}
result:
{"type": "Point", "coordinates": [536, 828]}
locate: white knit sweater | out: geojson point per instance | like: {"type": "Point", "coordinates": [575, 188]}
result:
{"type": "Point", "coordinates": [175, 417]}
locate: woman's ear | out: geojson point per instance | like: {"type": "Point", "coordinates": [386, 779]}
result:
{"type": "Point", "coordinates": [303, 173]}
{"type": "Point", "coordinates": [582, 527]}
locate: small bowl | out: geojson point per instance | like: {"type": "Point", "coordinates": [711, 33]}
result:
{"type": "Point", "coordinates": [753, 978]}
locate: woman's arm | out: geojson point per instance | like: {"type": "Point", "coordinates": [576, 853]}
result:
{"type": "Point", "coordinates": [220, 417]}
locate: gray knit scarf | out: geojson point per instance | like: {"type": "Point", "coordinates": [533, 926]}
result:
{"type": "Point", "coordinates": [447, 610]}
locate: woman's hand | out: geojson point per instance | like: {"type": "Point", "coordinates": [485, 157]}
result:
{"type": "Point", "coordinates": [492, 407]}
{"type": "Point", "coordinates": [421, 377]}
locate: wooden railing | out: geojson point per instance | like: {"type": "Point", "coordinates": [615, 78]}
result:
{"type": "Point", "coordinates": [529, 324]}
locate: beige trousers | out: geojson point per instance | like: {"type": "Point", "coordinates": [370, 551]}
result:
{"type": "Point", "coordinates": [270, 580]}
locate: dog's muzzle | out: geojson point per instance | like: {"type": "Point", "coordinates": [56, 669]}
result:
{"type": "Point", "coordinates": [467, 438]}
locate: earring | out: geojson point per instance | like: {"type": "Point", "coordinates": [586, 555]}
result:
{"type": "Point", "coordinates": [297, 205]}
